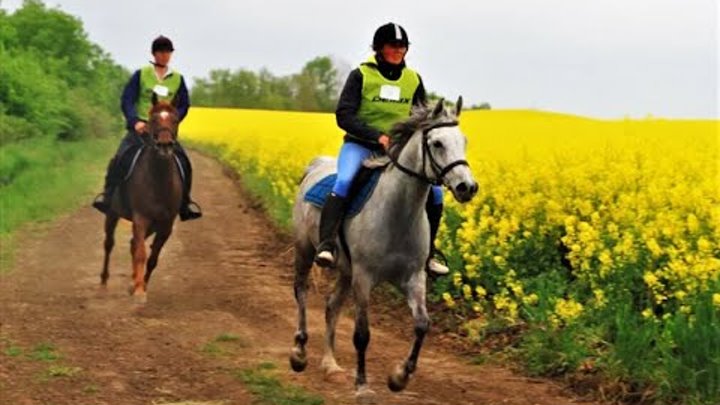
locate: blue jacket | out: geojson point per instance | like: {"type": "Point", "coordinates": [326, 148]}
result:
{"type": "Point", "coordinates": [130, 95]}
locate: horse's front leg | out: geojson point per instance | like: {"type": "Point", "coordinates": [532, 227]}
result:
{"type": "Point", "coordinates": [139, 258]}
{"type": "Point", "coordinates": [361, 286]}
{"type": "Point", "coordinates": [111, 221]}
{"type": "Point", "coordinates": [415, 291]}
{"type": "Point", "coordinates": [161, 236]}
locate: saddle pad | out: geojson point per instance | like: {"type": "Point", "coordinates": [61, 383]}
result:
{"type": "Point", "coordinates": [319, 191]}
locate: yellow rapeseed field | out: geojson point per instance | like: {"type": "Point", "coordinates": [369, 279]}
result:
{"type": "Point", "coordinates": [620, 205]}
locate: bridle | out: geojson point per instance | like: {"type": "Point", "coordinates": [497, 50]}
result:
{"type": "Point", "coordinates": [159, 130]}
{"type": "Point", "coordinates": [438, 170]}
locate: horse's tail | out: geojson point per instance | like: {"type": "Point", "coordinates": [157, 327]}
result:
{"type": "Point", "coordinates": [314, 164]}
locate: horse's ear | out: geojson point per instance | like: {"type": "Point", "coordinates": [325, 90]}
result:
{"type": "Point", "coordinates": [438, 107]}
{"type": "Point", "coordinates": [154, 98]}
{"type": "Point", "coordinates": [458, 106]}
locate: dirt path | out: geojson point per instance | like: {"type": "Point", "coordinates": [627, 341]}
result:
{"type": "Point", "coordinates": [228, 273]}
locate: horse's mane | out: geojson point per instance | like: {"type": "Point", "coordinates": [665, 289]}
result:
{"type": "Point", "coordinates": [421, 117]}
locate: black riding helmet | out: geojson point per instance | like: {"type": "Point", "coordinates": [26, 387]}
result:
{"type": "Point", "coordinates": [162, 44]}
{"type": "Point", "coordinates": [388, 34]}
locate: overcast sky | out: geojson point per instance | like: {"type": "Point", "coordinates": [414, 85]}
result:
{"type": "Point", "coordinates": [605, 58]}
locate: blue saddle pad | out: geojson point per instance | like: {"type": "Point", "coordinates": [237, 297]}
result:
{"type": "Point", "coordinates": [319, 191]}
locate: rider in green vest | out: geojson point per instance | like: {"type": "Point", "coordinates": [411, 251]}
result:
{"type": "Point", "coordinates": [167, 84]}
{"type": "Point", "coordinates": [381, 92]}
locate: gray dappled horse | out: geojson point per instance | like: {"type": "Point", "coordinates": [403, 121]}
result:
{"type": "Point", "coordinates": [388, 240]}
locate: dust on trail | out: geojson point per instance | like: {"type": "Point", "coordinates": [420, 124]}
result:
{"type": "Point", "coordinates": [228, 273]}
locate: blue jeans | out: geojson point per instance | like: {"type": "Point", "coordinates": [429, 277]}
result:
{"type": "Point", "coordinates": [349, 163]}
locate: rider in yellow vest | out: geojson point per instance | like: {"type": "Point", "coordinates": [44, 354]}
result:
{"type": "Point", "coordinates": [136, 102]}
{"type": "Point", "coordinates": [379, 93]}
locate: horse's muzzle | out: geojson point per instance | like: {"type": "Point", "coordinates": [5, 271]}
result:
{"type": "Point", "coordinates": [164, 141]}
{"type": "Point", "coordinates": [465, 191]}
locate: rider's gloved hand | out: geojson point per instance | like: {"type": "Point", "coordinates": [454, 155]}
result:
{"type": "Point", "coordinates": [140, 127]}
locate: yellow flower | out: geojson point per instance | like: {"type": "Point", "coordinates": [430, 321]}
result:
{"type": "Point", "coordinates": [704, 245]}
{"type": "Point", "coordinates": [599, 297]}
{"type": "Point", "coordinates": [680, 295]}
{"type": "Point", "coordinates": [500, 261]}
{"type": "Point", "coordinates": [530, 299]}
{"type": "Point", "coordinates": [654, 248]}
{"type": "Point", "coordinates": [650, 279]}
{"type": "Point", "coordinates": [567, 310]}
{"type": "Point", "coordinates": [655, 207]}
{"type": "Point", "coordinates": [457, 279]}
{"type": "Point", "coordinates": [467, 292]}
{"type": "Point", "coordinates": [692, 223]}
{"type": "Point", "coordinates": [449, 301]}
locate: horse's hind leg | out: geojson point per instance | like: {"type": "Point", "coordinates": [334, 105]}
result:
{"type": "Point", "coordinates": [161, 236]}
{"type": "Point", "coordinates": [398, 380]}
{"type": "Point", "coordinates": [332, 310]}
{"type": "Point", "coordinates": [361, 286]}
{"type": "Point", "coordinates": [111, 221]}
{"type": "Point", "coordinates": [304, 253]}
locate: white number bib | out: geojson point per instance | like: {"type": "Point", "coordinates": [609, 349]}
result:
{"type": "Point", "coordinates": [161, 90]}
{"type": "Point", "coordinates": [389, 92]}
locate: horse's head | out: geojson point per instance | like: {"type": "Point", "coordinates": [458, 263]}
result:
{"type": "Point", "coordinates": [443, 148]}
{"type": "Point", "coordinates": [163, 126]}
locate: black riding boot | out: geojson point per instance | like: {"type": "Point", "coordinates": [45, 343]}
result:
{"type": "Point", "coordinates": [112, 179]}
{"type": "Point", "coordinates": [188, 208]}
{"type": "Point", "coordinates": [330, 218]}
{"type": "Point", "coordinates": [434, 213]}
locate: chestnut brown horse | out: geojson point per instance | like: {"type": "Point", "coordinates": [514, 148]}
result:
{"type": "Point", "coordinates": [150, 198]}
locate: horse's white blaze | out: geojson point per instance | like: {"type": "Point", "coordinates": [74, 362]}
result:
{"type": "Point", "coordinates": [164, 114]}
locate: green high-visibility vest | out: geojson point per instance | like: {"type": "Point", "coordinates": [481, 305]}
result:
{"type": "Point", "coordinates": [148, 81]}
{"type": "Point", "coordinates": [385, 102]}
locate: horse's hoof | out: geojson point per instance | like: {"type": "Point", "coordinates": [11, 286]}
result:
{"type": "Point", "coordinates": [298, 360]}
{"type": "Point", "coordinates": [398, 379]}
{"type": "Point", "coordinates": [329, 365]}
{"type": "Point", "coordinates": [336, 376]}
{"type": "Point", "coordinates": [101, 292]}
{"type": "Point", "coordinates": [365, 396]}
{"type": "Point", "coordinates": [140, 299]}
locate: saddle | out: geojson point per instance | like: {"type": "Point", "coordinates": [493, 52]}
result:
{"type": "Point", "coordinates": [126, 165]}
{"type": "Point", "coordinates": [360, 192]}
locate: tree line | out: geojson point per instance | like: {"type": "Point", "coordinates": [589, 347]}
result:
{"type": "Point", "coordinates": [53, 80]}
{"type": "Point", "coordinates": [315, 88]}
